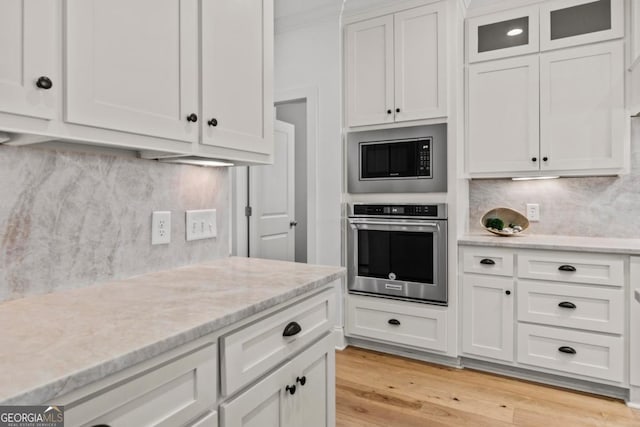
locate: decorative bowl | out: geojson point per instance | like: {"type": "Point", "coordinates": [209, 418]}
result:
{"type": "Point", "coordinates": [509, 217]}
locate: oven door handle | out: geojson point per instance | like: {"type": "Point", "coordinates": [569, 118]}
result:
{"type": "Point", "coordinates": [399, 224]}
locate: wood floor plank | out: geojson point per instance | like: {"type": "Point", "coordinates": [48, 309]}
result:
{"type": "Point", "coordinates": [376, 389]}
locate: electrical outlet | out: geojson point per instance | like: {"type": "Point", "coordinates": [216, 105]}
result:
{"type": "Point", "coordinates": [161, 228]}
{"type": "Point", "coordinates": [201, 224]}
{"type": "Point", "coordinates": [533, 212]}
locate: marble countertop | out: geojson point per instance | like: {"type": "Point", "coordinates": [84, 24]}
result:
{"type": "Point", "coordinates": [565, 243]}
{"type": "Point", "coordinates": [55, 343]}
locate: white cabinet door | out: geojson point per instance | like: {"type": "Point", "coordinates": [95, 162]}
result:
{"type": "Point", "coordinates": [488, 316]}
{"type": "Point", "coordinates": [634, 326]}
{"type": "Point", "coordinates": [28, 57]}
{"type": "Point", "coordinates": [369, 72]}
{"type": "Point", "coordinates": [133, 66]}
{"type": "Point", "coordinates": [420, 63]}
{"type": "Point", "coordinates": [503, 122]}
{"type": "Point", "coordinates": [582, 107]}
{"type": "Point", "coordinates": [565, 23]}
{"type": "Point", "coordinates": [237, 74]}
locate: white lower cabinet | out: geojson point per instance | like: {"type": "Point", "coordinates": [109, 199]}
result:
{"type": "Point", "coordinates": [397, 322]}
{"type": "Point", "coordinates": [300, 393]}
{"type": "Point", "coordinates": [560, 312]}
{"type": "Point", "coordinates": [634, 332]}
{"type": "Point", "coordinates": [487, 316]}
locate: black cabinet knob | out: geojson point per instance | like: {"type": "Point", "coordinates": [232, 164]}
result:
{"type": "Point", "coordinates": [544, 159]}
{"type": "Point", "coordinates": [292, 329]}
{"type": "Point", "coordinates": [192, 118]}
{"type": "Point", "coordinates": [487, 261]}
{"type": "Point", "coordinates": [213, 122]}
{"type": "Point", "coordinates": [397, 110]}
{"type": "Point", "coordinates": [567, 268]}
{"type": "Point", "coordinates": [389, 111]}
{"type": "Point", "coordinates": [301, 380]}
{"type": "Point", "coordinates": [507, 292]}
{"type": "Point", "coordinates": [44, 82]}
{"type": "Point", "coordinates": [567, 350]}
{"type": "Point", "coordinates": [567, 304]}
{"type": "Point", "coordinates": [291, 389]}
{"type": "Point", "coordinates": [534, 159]}
{"type": "Point", "coordinates": [394, 322]}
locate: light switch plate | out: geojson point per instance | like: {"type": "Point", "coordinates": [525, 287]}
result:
{"type": "Point", "coordinates": [161, 228]}
{"type": "Point", "coordinates": [201, 224]}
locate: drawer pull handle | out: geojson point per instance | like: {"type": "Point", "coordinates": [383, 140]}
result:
{"type": "Point", "coordinates": [487, 261]}
{"type": "Point", "coordinates": [567, 304]}
{"type": "Point", "coordinates": [291, 389]}
{"type": "Point", "coordinates": [567, 350]}
{"type": "Point", "coordinates": [301, 380]}
{"type": "Point", "coordinates": [292, 329]}
{"type": "Point", "coordinates": [567, 268]}
{"type": "Point", "coordinates": [394, 322]}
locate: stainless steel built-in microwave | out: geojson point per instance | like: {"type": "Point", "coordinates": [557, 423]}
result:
{"type": "Point", "coordinates": [408, 160]}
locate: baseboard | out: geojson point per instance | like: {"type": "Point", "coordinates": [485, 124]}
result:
{"type": "Point", "coordinates": [545, 378]}
{"type": "Point", "coordinates": [634, 397]}
{"type": "Point", "coordinates": [341, 341]}
{"type": "Point", "coordinates": [423, 355]}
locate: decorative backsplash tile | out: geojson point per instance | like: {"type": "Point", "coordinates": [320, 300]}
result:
{"type": "Point", "coordinates": [593, 206]}
{"type": "Point", "coordinates": [71, 219]}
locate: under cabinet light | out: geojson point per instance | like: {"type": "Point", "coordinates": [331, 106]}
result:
{"type": "Point", "coordinates": [197, 162]}
{"type": "Point", "coordinates": [532, 178]}
{"type": "Point", "coordinates": [514, 32]}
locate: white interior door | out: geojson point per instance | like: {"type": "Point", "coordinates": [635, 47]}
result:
{"type": "Point", "coordinates": [272, 196]}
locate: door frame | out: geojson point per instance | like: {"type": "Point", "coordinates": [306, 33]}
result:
{"type": "Point", "coordinates": [239, 184]}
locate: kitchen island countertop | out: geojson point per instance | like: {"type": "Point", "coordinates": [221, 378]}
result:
{"type": "Point", "coordinates": [55, 343]}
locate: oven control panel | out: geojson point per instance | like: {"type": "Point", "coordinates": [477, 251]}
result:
{"type": "Point", "coordinates": [429, 211]}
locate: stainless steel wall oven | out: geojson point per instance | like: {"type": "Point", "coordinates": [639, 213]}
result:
{"type": "Point", "coordinates": [398, 251]}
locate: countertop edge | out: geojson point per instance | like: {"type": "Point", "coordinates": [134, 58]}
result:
{"type": "Point", "coordinates": [591, 245]}
{"type": "Point", "coordinates": [62, 386]}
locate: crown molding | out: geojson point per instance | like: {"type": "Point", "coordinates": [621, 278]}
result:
{"type": "Point", "coordinates": [328, 12]}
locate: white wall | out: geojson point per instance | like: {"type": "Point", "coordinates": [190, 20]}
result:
{"type": "Point", "coordinates": [305, 57]}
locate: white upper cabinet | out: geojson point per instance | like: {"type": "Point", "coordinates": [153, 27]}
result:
{"type": "Point", "coordinates": [565, 23]}
{"type": "Point", "coordinates": [503, 125]}
{"type": "Point", "coordinates": [133, 66]}
{"type": "Point", "coordinates": [29, 82]}
{"type": "Point", "coordinates": [237, 74]}
{"type": "Point", "coordinates": [510, 33]}
{"type": "Point", "coordinates": [582, 107]}
{"type": "Point", "coordinates": [369, 73]}
{"type": "Point", "coordinates": [395, 67]}
{"type": "Point", "coordinates": [420, 63]}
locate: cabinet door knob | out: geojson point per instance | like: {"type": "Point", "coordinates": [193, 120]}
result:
{"type": "Point", "coordinates": [301, 380]}
{"type": "Point", "coordinates": [389, 111]}
{"type": "Point", "coordinates": [487, 261]}
{"type": "Point", "coordinates": [291, 389]}
{"type": "Point", "coordinates": [394, 322]}
{"type": "Point", "coordinates": [567, 268]}
{"type": "Point", "coordinates": [567, 304]}
{"type": "Point", "coordinates": [293, 224]}
{"type": "Point", "coordinates": [193, 117]}
{"type": "Point", "coordinates": [544, 159]}
{"type": "Point", "coordinates": [213, 122]}
{"type": "Point", "coordinates": [534, 159]}
{"type": "Point", "coordinates": [567, 350]}
{"type": "Point", "coordinates": [397, 110]}
{"type": "Point", "coordinates": [44, 82]}
{"type": "Point", "coordinates": [292, 329]}
{"type": "Point", "coordinates": [507, 292]}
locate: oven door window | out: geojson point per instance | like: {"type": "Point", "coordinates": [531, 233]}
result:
{"type": "Point", "coordinates": [396, 255]}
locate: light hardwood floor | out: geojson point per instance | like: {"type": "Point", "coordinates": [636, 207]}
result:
{"type": "Point", "coordinates": [375, 389]}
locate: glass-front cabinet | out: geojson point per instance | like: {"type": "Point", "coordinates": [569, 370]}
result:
{"type": "Point", "coordinates": [510, 33]}
{"type": "Point", "coordinates": [565, 23]}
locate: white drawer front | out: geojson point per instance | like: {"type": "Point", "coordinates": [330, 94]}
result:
{"type": "Point", "coordinates": [573, 306]}
{"type": "Point", "coordinates": [168, 396]}
{"type": "Point", "coordinates": [253, 350]}
{"type": "Point", "coordinates": [571, 267]}
{"type": "Point", "coordinates": [487, 261]}
{"type": "Point", "coordinates": [596, 355]}
{"type": "Point", "coordinates": [397, 322]}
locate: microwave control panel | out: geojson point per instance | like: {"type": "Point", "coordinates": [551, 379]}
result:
{"type": "Point", "coordinates": [424, 158]}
